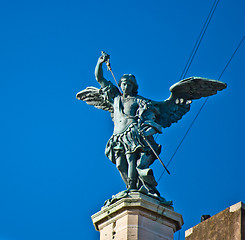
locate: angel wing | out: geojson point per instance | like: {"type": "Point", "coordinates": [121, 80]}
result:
{"type": "Point", "coordinates": [182, 94]}
{"type": "Point", "coordinates": [93, 96]}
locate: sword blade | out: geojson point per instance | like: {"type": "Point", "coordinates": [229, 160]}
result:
{"type": "Point", "coordinates": [155, 153]}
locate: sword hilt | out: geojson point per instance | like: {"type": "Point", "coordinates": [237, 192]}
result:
{"type": "Point", "coordinates": [107, 60]}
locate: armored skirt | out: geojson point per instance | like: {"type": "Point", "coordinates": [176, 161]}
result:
{"type": "Point", "coordinates": [128, 142]}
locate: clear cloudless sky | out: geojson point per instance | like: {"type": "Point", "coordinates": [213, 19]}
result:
{"type": "Point", "coordinates": [53, 171]}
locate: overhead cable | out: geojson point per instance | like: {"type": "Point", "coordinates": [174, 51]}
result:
{"type": "Point", "coordinates": [199, 39]}
{"type": "Point", "coordinates": [226, 66]}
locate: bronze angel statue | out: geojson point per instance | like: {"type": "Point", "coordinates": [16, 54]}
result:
{"type": "Point", "coordinates": [137, 119]}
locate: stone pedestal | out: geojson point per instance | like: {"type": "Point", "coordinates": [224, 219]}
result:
{"type": "Point", "coordinates": [137, 217]}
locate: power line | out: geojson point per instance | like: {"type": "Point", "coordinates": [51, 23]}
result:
{"type": "Point", "coordinates": [198, 42]}
{"type": "Point", "coordinates": [199, 39]}
{"type": "Point", "coordinates": [231, 57]}
{"type": "Point", "coordinates": [191, 57]}
{"type": "Point", "coordinates": [240, 43]}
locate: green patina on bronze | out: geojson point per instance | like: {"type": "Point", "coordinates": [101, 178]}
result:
{"type": "Point", "coordinates": [136, 120]}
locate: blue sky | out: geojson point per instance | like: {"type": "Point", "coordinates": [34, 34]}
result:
{"type": "Point", "coordinates": [53, 171]}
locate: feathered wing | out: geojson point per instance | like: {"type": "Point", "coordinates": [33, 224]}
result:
{"type": "Point", "coordinates": [196, 87]}
{"type": "Point", "coordinates": [93, 96]}
{"type": "Point", "coordinates": [170, 112]}
{"type": "Point", "coordinates": [182, 94]}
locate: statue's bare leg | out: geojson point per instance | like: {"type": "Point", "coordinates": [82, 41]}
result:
{"type": "Point", "coordinates": [132, 172]}
{"type": "Point", "coordinates": [122, 166]}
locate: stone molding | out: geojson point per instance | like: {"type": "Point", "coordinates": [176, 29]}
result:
{"type": "Point", "coordinates": [137, 215]}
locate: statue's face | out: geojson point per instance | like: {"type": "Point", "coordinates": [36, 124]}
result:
{"type": "Point", "coordinates": [127, 87]}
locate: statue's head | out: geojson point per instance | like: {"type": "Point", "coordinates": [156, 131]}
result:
{"type": "Point", "coordinates": [131, 79]}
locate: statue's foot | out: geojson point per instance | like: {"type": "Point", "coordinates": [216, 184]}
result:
{"type": "Point", "coordinates": [155, 195]}
{"type": "Point", "coordinates": [131, 190]}
{"type": "Point", "coordinates": [143, 190]}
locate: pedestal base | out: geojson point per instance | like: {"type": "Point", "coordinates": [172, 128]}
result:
{"type": "Point", "coordinates": [137, 217]}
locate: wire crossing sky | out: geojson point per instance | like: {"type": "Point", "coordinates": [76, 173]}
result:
{"type": "Point", "coordinates": [186, 68]}
{"type": "Point", "coordinates": [199, 40]}
{"type": "Point", "coordinates": [200, 110]}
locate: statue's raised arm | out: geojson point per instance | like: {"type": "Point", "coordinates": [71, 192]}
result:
{"type": "Point", "coordinates": [100, 98]}
{"type": "Point", "coordinates": [104, 58]}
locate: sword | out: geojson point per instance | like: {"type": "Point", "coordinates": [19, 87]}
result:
{"type": "Point", "coordinates": [152, 149]}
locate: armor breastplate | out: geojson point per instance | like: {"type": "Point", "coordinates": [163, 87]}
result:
{"type": "Point", "coordinates": [124, 114]}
